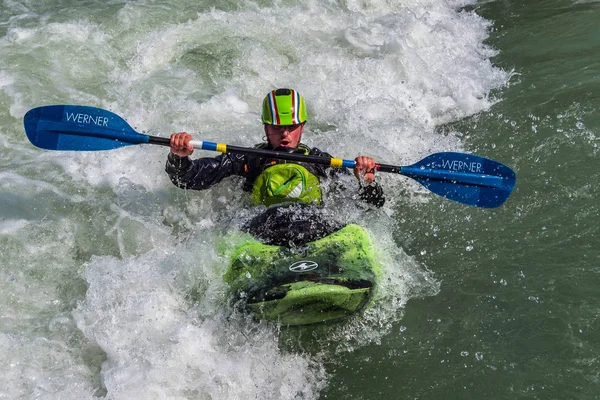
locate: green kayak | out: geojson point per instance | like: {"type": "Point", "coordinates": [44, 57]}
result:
{"type": "Point", "coordinates": [325, 279]}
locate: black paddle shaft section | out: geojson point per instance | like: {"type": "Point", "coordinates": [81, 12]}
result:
{"type": "Point", "coordinates": [282, 155]}
{"type": "Point", "coordinates": [389, 168]}
{"type": "Point", "coordinates": [159, 140]}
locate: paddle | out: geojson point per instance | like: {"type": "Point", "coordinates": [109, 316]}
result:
{"type": "Point", "coordinates": [465, 178]}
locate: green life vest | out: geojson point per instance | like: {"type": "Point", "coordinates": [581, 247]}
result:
{"type": "Point", "coordinates": [286, 182]}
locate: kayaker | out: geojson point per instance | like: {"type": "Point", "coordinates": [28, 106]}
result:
{"type": "Point", "coordinates": [271, 181]}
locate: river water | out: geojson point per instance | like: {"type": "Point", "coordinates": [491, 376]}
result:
{"type": "Point", "coordinates": [110, 277]}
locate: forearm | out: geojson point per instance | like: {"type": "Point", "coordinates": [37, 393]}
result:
{"type": "Point", "coordinates": [197, 174]}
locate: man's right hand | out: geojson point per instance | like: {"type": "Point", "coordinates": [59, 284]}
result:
{"type": "Point", "coordinates": [180, 144]}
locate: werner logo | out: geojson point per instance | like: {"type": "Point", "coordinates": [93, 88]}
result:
{"type": "Point", "coordinates": [303, 266]}
{"type": "Point", "coordinates": [456, 165]}
{"type": "Point", "coordinates": [87, 119]}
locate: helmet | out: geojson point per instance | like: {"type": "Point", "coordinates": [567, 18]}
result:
{"type": "Point", "coordinates": [283, 107]}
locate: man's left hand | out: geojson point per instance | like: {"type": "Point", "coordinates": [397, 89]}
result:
{"type": "Point", "coordinates": [364, 169]}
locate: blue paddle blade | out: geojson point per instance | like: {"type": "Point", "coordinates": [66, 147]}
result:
{"type": "Point", "coordinates": [466, 178]}
{"type": "Point", "coordinates": [79, 128]}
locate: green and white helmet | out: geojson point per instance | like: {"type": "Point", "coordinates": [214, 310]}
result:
{"type": "Point", "coordinates": [283, 107]}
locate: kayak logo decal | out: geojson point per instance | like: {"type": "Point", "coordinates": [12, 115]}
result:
{"type": "Point", "coordinates": [303, 266]}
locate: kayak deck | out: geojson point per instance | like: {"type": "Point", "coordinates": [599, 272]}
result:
{"type": "Point", "coordinates": [326, 279]}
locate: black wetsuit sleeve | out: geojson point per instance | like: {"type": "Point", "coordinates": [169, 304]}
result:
{"type": "Point", "coordinates": [372, 194]}
{"type": "Point", "coordinates": [202, 173]}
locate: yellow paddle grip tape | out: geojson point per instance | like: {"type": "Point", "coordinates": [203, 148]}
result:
{"type": "Point", "coordinates": [336, 162]}
{"type": "Point", "coordinates": [222, 147]}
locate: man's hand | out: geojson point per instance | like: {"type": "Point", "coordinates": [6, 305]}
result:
{"type": "Point", "coordinates": [180, 144]}
{"type": "Point", "coordinates": [364, 170]}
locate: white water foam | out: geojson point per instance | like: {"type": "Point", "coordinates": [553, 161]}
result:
{"type": "Point", "coordinates": [159, 345]}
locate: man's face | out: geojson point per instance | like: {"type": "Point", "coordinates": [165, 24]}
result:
{"type": "Point", "coordinates": [284, 135]}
